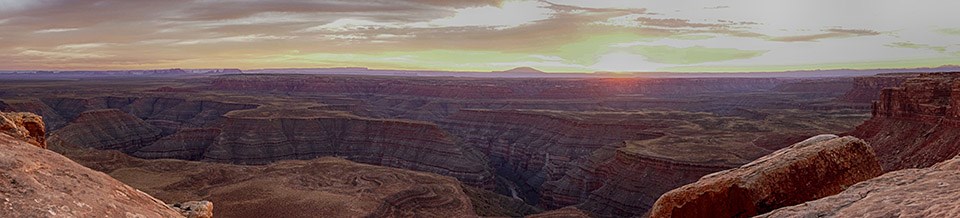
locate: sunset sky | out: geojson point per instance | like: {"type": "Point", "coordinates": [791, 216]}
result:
{"type": "Point", "coordinates": [485, 35]}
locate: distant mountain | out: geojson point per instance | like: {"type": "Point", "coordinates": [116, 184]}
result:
{"type": "Point", "coordinates": [522, 70]}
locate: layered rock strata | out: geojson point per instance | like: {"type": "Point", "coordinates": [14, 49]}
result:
{"type": "Point", "coordinates": [631, 181]}
{"type": "Point", "coordinates": [264, 136]}
{"type": "Point", "coordinates": [916, 124]}
{"type": "Point", "coordinates": [106, 129]}
{"type": "Point", "coordinates": [926, 192]}
{"type": "Point", "coordinates": [255, 139]}
{"type": "Point", "coordinates": [42, 183]}
{"type": "Point", "coordinates": [867, 89]}
{"type": "Point", "coordinates": [185, 144]}
{"type": "Point", "coordinates": [177, 111]}
{"type": "Point", "coordinates": [780, 179]}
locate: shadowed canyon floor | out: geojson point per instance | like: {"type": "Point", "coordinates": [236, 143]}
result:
{"type": "Point", "coordinates": [511, 147]}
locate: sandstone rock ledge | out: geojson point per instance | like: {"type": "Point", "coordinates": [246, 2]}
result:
{"type": "Point", "coordinates": [24, 126]}
{"type": "Point", "coordinates": [817, 167]}
{"type": "Point", "coordinates": [40, 183]}
{"type": "Point", "coordinates": [927, 192]}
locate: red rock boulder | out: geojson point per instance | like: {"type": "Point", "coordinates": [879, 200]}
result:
{"type": "Point", "coordinates": [817, 167]}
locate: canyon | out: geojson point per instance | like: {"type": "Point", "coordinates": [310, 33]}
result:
{"type": "Point", "coordinates": [914, 125]}
{"type": "Point", "coordinates": [599, 147]}
{"type": "Point", "coordinates": [911, 137]}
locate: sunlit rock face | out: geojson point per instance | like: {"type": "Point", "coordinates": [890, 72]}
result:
{"type": "Point", "coordinates": [915, 125]}
{"type": "Point", "coordinates": [783, 178]}
{"type": "Point", "coordinates": [42, 183]}
{"type": "Point", "coordinates": [927, 192]}
{"type": "Point", "coordinates": [25, 126]}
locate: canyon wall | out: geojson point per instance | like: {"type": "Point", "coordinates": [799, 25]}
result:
{"type": "Point", "coordinates": [396, 143]}
{"type": "Point", "coordinates": [106, 129]}
{"type": "Point", "coordinates": [201, 130]}
{"type": "Point", "coordinates": [530, 147]}
{"type": "Point", "coordinates": [867, 89]}
{"type": "Point", "coordinates": [916, 124]}
{"type": "Point", "coordinates": [629, 182]}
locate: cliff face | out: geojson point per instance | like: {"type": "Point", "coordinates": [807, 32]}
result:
{"type": "Point", "coordinates": [41, 183]}
{"type": "Point", "coordinates": [185, 144]}
{"type": "Point", "coordinates": [916, 124]}
{"type": "Point", "coordinates": [926, 192]}
{"type": "Point", "coordinates": [867, 89]}
{"type": "Point", "coordinates": [780, 179]}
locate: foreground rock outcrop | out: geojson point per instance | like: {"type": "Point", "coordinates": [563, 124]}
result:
{"type": "Point", "coordinates": [35, 182]}
{"type": "Point", "coordinates": [194, 209]}
{"type": "Point", "coordinates": [916, 124]}
{"type": "Point", "coordinates": [24, 126]}
{"type": "Point", "coordinates": [817, 167]}
{"type": "Point", "coordinates": [927, 192]}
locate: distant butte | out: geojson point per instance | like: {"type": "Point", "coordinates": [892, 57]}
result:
{"type": "Point", "coordinates": [523, 70]}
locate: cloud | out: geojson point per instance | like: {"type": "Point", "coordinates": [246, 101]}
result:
{"type": "Point", "coordinates": [557, 35]}
{"type": "Point", "coordinates": [506, 15]}
{"type": "Point", "coordinates": [57, 30]}
{"type": "Point", "coordinates": [917, 46]}
{"type": "Point", "coordinates": [829, 33]}
{"type": "Point", "coordinates": [245, 38]}
{"type": "Point", "coordinates": [950, 31]}
{"type": "Point", "coordinates": [693, 55]}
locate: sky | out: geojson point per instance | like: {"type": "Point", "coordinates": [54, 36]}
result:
{"type": "Point", "coordinates": [480, 35]}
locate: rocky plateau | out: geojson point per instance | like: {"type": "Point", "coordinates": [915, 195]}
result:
{"type": "Point", "coordinates": [462, 147]}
